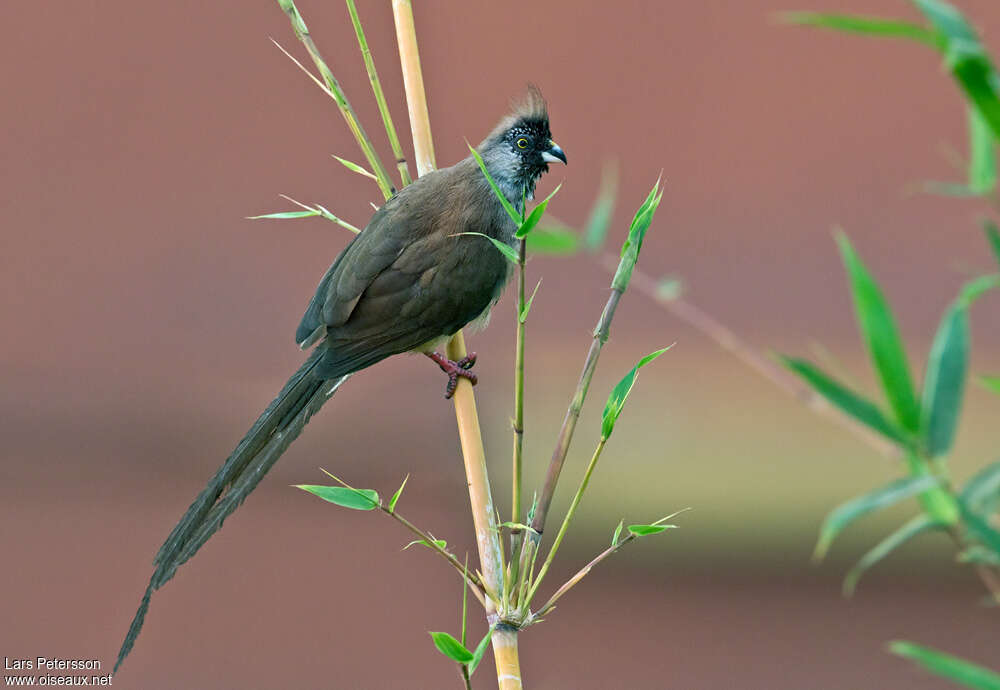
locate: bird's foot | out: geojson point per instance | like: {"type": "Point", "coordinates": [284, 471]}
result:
{"type": "Point", "coordinates": [455, 369]}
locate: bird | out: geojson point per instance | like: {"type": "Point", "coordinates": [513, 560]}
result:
{"type": "Point", "coordinates": [423, 268]}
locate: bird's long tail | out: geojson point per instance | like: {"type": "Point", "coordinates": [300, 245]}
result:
{"type": "Point", "coordinates": [271, 434]}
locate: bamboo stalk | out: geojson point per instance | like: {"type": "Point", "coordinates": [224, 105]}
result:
{"type": "Point", "coordinates": [518, 393]}
{"type": "Point", "coordinates": [569, 517]}
{"type": "Point", "coordinates": [383, 108]}
{"type": "Point", "coordinates": [573, 413]}
{"type": "Point", "coordinates": [504, 639]}
{"type": "Point", "coordinates": [337, 93]}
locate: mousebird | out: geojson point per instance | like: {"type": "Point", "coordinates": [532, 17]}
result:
{"type": "Point", "coordinates": [406, 283]}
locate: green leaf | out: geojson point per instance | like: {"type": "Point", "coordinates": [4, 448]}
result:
{"type": "Point", "coordinates": [636, 234]}
{"type": "Point", "coordinates": [980, 528]}
{"type": "Point", "coordinates": [536, 215]}
{"type": "Point", "coordinates": [599, 219]}
{"type": "Point", "coordinates": [982, 491]}
{"type": "Point", "coordinates": [354, 167]}
{"type": "Point", "coordinates": [979, 554]}
{"type": "Point", "coordinates": [993, 235]}
{"type": "Point", "coordinates": [947, 666]}
{"type": "Point", "coordinates": [451, 648]}
{"type": "Point", "coordinates": [481, 648]}
{"type": "Point", "coordinates": [846, 400]}
{"type": "Point", "coordinates": [620, 393]}
{"type": "Point", "coordinates": [514, 215]}
{"type": "Point", "coordinates": [399, 492]}
{"type": "Point", "coordinates": [552, 239]}
{"type": "Point", "coordinates": [871, 26]}
{"type": "Point", "coordinates": [944, 382]}
{"type": "Point", "coordinates": [519, 526]}
{"type": "Point", "coordinates": [846, 513]}
{"type": "Point", "coordinates": [617, 533]}
{"type": "Point", "coordinates": [645, 530]}
{"type": "Point", "coordinates": [982, 154]}
{"type": "Point", "coordinates": [879, 331]}
{"type": "Point", "coordinates": [286, 214]}
{"type": "Point", "coordinates": [991, 383]}
{"type": "Point", "coordinates": [504, 248]}
{"type": "Point", "coordinates": [921, 523]}
{"type": "Point", "coordinates": [523, 315]}
{"type": "Point", "coordinates": [356, 499]}
{"type": "Point", "coordinates": [966, 58]}
{"type": "Point", "coordinates": [441, 543]}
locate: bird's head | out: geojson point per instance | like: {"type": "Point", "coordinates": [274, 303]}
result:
{"type": "Point", "coordinates": [520, 148]}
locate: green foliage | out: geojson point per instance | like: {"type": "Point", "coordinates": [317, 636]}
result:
{"type": "Point", "coordinates": [982, 492]}
{"type": "Point", "coordinates": [522, 315]}
{"type": "Point", "coordinates": [440, 543]}
{"type": "Point", "coordinates": [993, 235]}
{"type": "Point", "coordinates": [502, 247]}
{"type": "Point", "coordinates": [646, 530]}
{"type": "Point", "coordinates": [514, 215]}
{"type": "Point", "coordinates": [620, 393]}
{"type": "Point", "coordinates": [919, 524]}
{"type": "Point", "coordinates": [617, 533]}
{"type": "Point", "coordinates": [878, 329]}
{"type": "Point", "coordinates": [284, 215]}
{"type": "Point", "coordinates": [846, 400]}
{"type": "Point", "coordinates": [354, 167]}
{"type": "Point", "coordinates": [991, 383]}
{"type": "Point", "coordinates": [552, 239]}
{"type": "Point", "coordinates": [944, 381]}
{"type": "Point", "coordinates": [395, 497]}
{"type": "Point", "coordinates": [451, 648]}
{"type": "Point", "coordinates": [846, 513]}
{"type": "Point", "coordinates": [871, 26]}
{"type": "Point", "coordinates": [356, 499]}
{"type": "Point", "coordinates": [535, 216]}
{"type": "Point", "coordinates": [982, 156]}
{"type": "Point", "coordinates": [480, 651]}
{"type": "Point", "coordinates": [636, 234]}
{"type": "Point", "coordinates": [947, 666]}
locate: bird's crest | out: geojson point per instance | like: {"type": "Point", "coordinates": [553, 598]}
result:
{"type": "Point", "coordinates": [530, 109]}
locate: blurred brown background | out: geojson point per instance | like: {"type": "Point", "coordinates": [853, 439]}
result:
{"type": "Point", "coordinates": [146, 323]}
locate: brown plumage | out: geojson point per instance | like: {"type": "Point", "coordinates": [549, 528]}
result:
{"type": "Point", "coordinates": [408, 281]}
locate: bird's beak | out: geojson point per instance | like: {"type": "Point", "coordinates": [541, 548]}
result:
{"type": "Point", "coordinates": [554, 154]}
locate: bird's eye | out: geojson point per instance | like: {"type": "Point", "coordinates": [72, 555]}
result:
{"type": "Point", "coordinates": [522, 143]}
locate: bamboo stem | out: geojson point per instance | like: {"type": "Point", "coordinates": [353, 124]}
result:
{"type": "Point", "coordinates": [518, 391]}
{"type": "Point", "coordinates": [504, 639]}
{"type": "Point", "coordinates": [573, 414]}
{"type": "Point", "coordinates": [383, 108]}
{"type": "Point", "coordinates": [569, 517]}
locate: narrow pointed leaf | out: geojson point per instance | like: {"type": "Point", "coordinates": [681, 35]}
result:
{"type": "Point", "coordinates": [870, 26]}
{"type": "Point", "coordinates": [536, 215]}
{"type": "Point", "coordinates": [846, 400]}
{"type": "Point", "coordinates": [399, 492]}
{"type": "Point", "coordinates": [966, 58]}
{"type": "Point", "coordinates": [636, 235]}
{"type": "Point", "coordinates": [991, 383]}
{"type": "Point", "coordinates": [944, 382]}
{"type": "Point", "coordinates": [846, 513]}
{"type": "Point", "coordinates": [441, 543]}
{"type": "Point", "coordinates": [646, 530]}
{"type": "Point", "coordinates": [982, 154]}
{"type": "Point", "coordinates": [620, 393]}
{"type": "Point", "coordinates": [354, 167]}
{"type": "Point", "coordinates": [514, 215]}
{"type": "Point", "coordinates": [480, 650]}
{"type": "Point", "coordinates": [980, 528]}
{"type": "Point", "coordinates": [921, 523]}
{"type": "Point", "coordinates": [878, 328]}
{"type": "Point", "coordinates": [953, 668]}
{"type": "Point", "coordinates": [993, 235]}
{"type": "Point", "coordinates": [617, 533]}
{"type": "Point", "coordinates": [523, 315]}
{"type": "Point", "coordinates": [356, 499]}
{"type": "Point", "coordinates": [599, 220]}
{"type": "Point", "coordinates": [552, 239]}
{"type": "Point", "coordinates": [285, 214]}
{"type": "Point", "coordinates": [504, 248]}
{"type": "Point", "coordinates": [451, 648]}
{"type": "Point", "coordinates": [983, 489]}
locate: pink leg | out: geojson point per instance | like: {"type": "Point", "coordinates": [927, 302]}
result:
{"type": "Point", "coordinates": [454, 370]}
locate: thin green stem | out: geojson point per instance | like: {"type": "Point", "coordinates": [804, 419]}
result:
{"type": "Point", "coordinates": [337, 93]}
{"type": "Point", "coordinates": [573, 414]}
{"type": "Point", "coordinates": [519, 390]}
{"type": "Point", "coordinates": [570, 583]}
{"type": "Point", "coordinates": [569, 517]}
{"type": "Point", "coordinates": [383, 108]}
